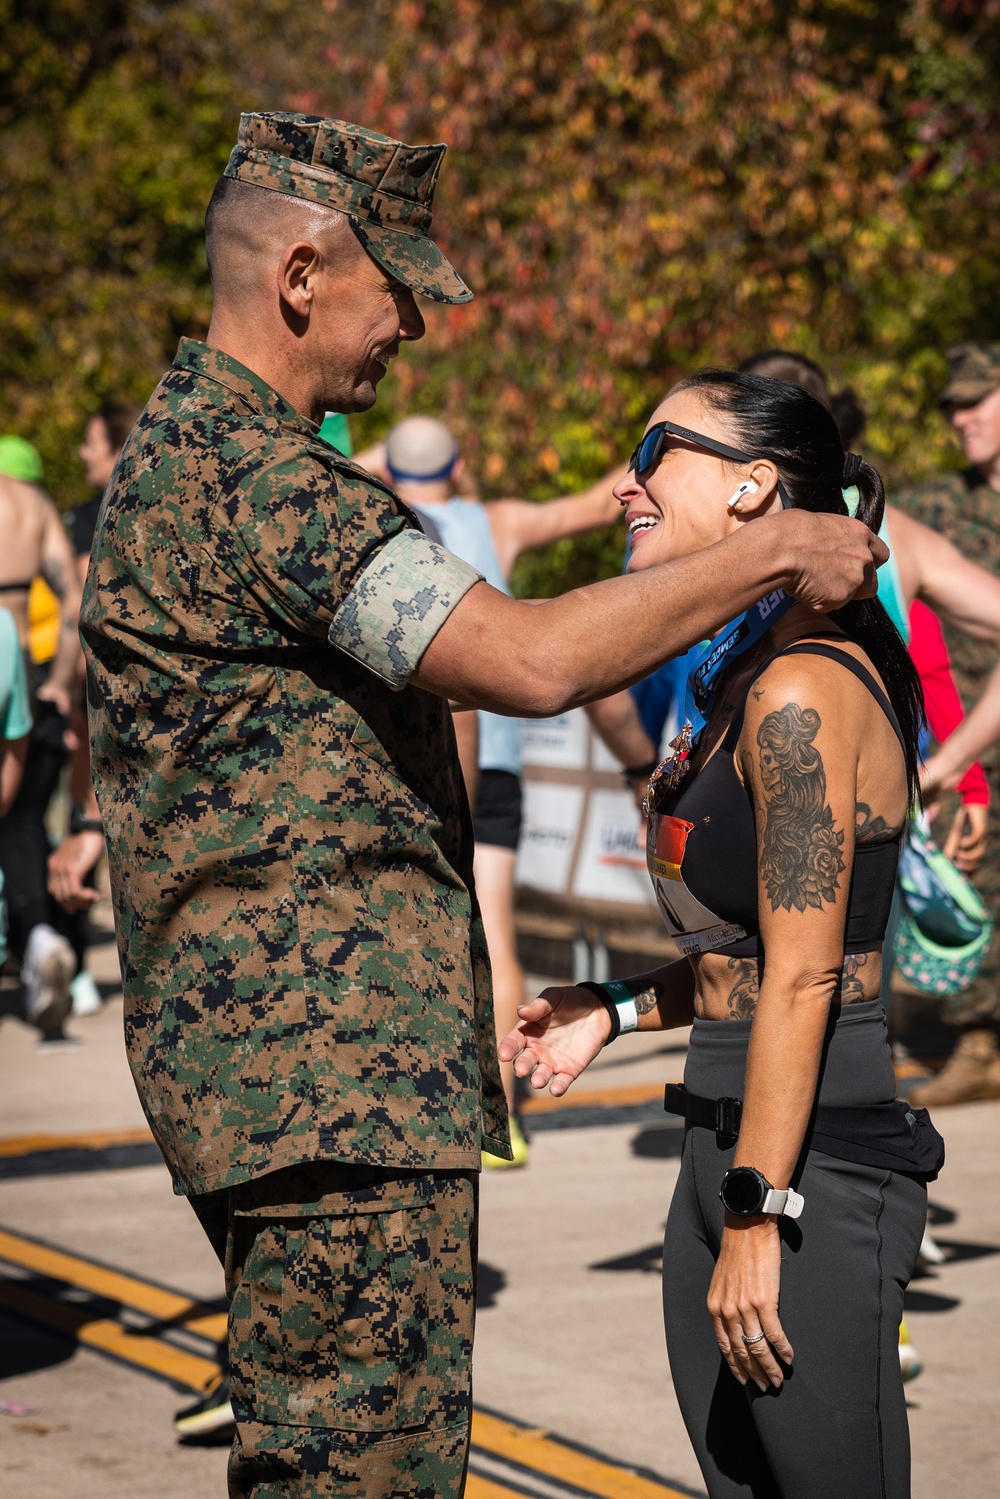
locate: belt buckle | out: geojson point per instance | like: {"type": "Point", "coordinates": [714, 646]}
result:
{"type": "Point", "coordinates": [727, 1116]}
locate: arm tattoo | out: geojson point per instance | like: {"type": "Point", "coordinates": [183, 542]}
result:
{"type": "Point", "coordinates": [869, 829]}
{"type": "Point", "coordinates": [800, 855]}
{"type": "Point", "coordinates": [852, 988]}
{"type": "Point", "coordinates": [647, 999]}
{"type": "Point", "coordinates": [742, 997]}
{"type": "Point", "coordinates": [55, 576]}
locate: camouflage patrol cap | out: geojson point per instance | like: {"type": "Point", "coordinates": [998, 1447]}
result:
{"type": "Point", "coordinates": [385, 188]}
{"type": "Point", "coordinates": [973, 372]}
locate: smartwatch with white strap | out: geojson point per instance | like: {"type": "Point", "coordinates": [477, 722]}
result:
{"type": "Point", "coordinates": [745, 1193]}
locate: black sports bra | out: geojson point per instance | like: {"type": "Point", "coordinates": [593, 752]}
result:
{"type": "Point", "coordinates": [701, 849]}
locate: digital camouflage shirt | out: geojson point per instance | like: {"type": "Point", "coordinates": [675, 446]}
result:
{"type": "Point", "coordinates": [303, 959]}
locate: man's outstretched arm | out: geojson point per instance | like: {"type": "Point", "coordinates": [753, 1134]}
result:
{"type": "Point", "coordinates": [542, 657]}
{"type": "Point", "coordinates": [967, 598]}
{"type": "Point", "coordinates": [522, 525]}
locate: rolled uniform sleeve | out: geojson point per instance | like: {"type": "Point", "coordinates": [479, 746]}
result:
{"type": "Point", "coordinates": [397, 604]}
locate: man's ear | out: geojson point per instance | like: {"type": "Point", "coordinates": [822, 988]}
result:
{"type": "Point", "coordinates": [298, 268]}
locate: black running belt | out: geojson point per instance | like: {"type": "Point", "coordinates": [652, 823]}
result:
{"type": "Point", "coordinates": [890, 1136]}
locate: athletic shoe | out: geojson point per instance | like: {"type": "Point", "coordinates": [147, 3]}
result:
{"type": "Point", "coordinates": [909, 1359]}
{"type": "Point", "coordinates": [972, 1072]}
{"type": "Point", "coordinates": [46, 974]}
{"type": "Point", "coordinates": [210, 1421]}
{"type": "Point", "coordinates": [518, 1144]}
{"type": "Point", "coordinates": [929, 1253]}
{"type": "Point", "coordinates": [86, 995]}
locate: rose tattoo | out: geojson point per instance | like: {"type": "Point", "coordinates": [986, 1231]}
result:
{"type": "Point", "coordinates": [801, 854]}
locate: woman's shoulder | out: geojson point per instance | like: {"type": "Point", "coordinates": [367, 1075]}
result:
{"type": "Point", "coordinates": [824, 675]}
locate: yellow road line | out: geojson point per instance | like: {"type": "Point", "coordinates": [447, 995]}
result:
{"type": "Point", "coordinates": [485, 1488]}
{"type": "Point", "coordinates": [166, 1306]}
{"type": "Point", "coordinates": [16, 1145]}
{"type": "Point", "coordinates": [110, 1337]}
{"type": "Point", "coordinates": [534, 1449]}
{"type": "Point", "coordinates": [539, 1451]}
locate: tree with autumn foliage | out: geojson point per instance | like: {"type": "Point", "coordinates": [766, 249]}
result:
{"type": "Point", "coordinates": [632, 190]}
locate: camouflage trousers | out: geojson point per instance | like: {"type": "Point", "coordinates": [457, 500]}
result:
{"type": "Point", "coordinates": [350, 1331]}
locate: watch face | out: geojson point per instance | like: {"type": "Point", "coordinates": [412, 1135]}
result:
{"type": "Point", "coordinates": [742, 1191]}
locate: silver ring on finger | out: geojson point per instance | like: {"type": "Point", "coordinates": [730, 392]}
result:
{"type": "Point", "coordinates": [757, 1338]}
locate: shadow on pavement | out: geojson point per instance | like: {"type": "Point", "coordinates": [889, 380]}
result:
{"type": "Point", "coordinates": [929, 1301]}
{"type": "Point", "coordinates": [25, 1348]}
{"type": "Point", "coordinates": [648, 1260]}
{"type": "Point", "coordinates": [489, 1284]}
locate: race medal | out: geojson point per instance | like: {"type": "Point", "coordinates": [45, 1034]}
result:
{"type": "Point", "coordinates": [692, 925]}
{"type": "Point", "coordinates": [670, 772]}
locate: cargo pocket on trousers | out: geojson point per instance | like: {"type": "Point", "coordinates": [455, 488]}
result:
{"type": "Point", "coordinates": [343, 1345]}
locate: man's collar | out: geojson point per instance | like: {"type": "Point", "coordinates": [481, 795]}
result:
{"type": "Point", "coordinates": [213, 364]}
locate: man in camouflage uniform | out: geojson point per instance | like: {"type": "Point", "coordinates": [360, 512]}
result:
{"type": "Point", "coordinates": [965, 508]}
{"type": "Point", "coordinates": [272, 643]}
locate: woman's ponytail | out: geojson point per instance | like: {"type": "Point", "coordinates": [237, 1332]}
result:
{"type": "Point", "coordinates": [860, 475]}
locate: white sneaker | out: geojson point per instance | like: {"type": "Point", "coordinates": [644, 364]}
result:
{"type": "Point", "coordinates": [86, 995]}
{"type": "Point", "coordinates": [910, 1363]}
{"type": "Point", "coordinates": [929, 1253]}
{"type": "Point", "coordinates": [46, 974]}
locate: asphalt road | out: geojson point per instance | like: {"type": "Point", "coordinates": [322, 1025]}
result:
{"type": "Point", "coordinates": [110, 1298]}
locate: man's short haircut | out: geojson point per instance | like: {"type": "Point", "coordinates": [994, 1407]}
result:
{"type": "Point", "coordinates": [243, 221]}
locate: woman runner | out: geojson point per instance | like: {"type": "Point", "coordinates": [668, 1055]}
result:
{"type": "Point", "coordinates": [772, 843]}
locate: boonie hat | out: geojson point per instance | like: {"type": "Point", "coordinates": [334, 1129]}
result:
{"type": "Point", "coordinates": [385, 187]}
{"type": "Point", "coordinates": [973, 372]}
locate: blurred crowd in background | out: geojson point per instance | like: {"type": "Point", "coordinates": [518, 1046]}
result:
{"type": "Point", "coordinates": [943, 580]}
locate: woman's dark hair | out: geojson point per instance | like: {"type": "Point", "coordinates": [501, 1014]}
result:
{"type": "Point", "coordinates": [119, 417]}
{"type": "Point", "coordinates": [775, 419]}
{"type": "Point", "coordinates": [784, 364]}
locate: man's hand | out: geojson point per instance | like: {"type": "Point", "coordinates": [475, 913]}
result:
{"type": "Point", "coordinates": [965, 844]}
{"type": "Point", "coordinates": [53, 692]}
{"type": "Point", "coordinates": [69, 866]}
{"type": "Point", "coordinates": [833, 559]}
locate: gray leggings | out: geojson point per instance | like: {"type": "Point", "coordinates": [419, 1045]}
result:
{"type": "Point", "coordinates": [837, 1428]}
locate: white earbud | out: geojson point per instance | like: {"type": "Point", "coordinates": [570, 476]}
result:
{"type": "Point", "coordinates": [735, 499]}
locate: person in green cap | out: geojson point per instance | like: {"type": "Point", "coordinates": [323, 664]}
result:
{"type": "Point", "coordinates": [272, 645]}
{"type": "Point", "coordinates": [19, 459]}
{"type": "Point", "coordinates": [964, 507]}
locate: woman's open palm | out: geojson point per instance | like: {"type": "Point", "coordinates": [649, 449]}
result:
{"type": "Point", "coordinates": [559, 1034]}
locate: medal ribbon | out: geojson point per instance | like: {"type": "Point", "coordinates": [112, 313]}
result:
{"type": "Point", "coordinates": [740, 635]}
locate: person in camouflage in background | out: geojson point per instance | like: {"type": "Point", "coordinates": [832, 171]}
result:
{"type": "Point", "coordinates": [272, 643]}
{"type": "Point", "coordinates": [965, 508]}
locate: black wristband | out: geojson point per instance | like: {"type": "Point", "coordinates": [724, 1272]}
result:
{"type": "Point", "coordinates": [79, 822]}
{"type": "Point", "coordinates": [608, 1003]}
{"type": "Point", "coordinates": [638, 772]}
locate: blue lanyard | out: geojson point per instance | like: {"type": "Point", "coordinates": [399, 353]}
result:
{"type": "Point", "coordinates": [740, 635]}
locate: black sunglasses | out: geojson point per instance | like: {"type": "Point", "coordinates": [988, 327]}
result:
{"type": "Point", "coordinates": [649, 451]}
